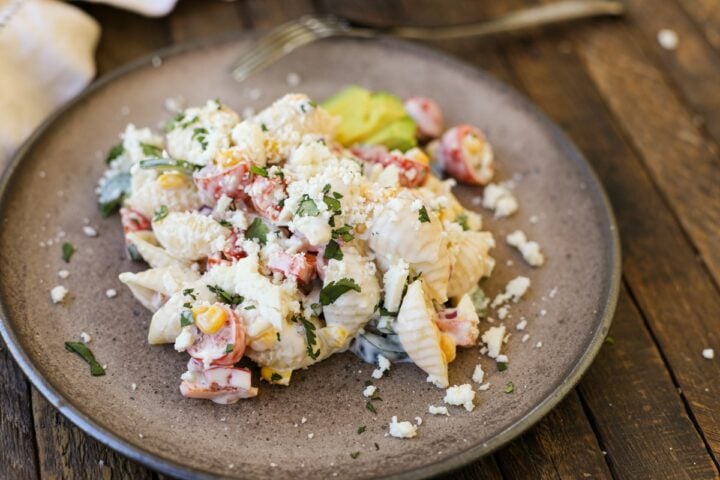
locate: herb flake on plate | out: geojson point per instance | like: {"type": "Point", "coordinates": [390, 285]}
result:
{"type": "Point", "coordinates": [423, 215]}
{"type": "Point", "coordinates": [67, 251]}
{"type": "Point", "coordinates": [96, 370]}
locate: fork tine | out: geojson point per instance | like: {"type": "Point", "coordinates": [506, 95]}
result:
{"type": "Point", "coordinates": [278, 35]}
{"type": "Point", "coordinates": [247, 68]}
{"type": "Point", "coordinates": [248, 62]}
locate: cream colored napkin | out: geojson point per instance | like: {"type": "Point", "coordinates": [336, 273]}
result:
{"type": "Point", "coordinates": [46, 58]}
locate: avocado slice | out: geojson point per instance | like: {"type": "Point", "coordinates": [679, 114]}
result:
{"type": "Point", "coordinates": [351, 105]}
{"type": "Point", "coordinates": [384, 109]}
{"type": "Point", "coordinates": [399, 134]}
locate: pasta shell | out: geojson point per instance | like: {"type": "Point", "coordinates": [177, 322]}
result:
{"type": "Point", "coordinates": [397, 232]}
{"type": "Point", "coordinates": [190, 236]}
{"type": "Point", "coordinates": [149, 249]}
{"type": "Point", "coordinates": [353, 309]}
{"type": "Point", "coordinates": [419, 335]}
{"type": "Point", "coordinates": [164, 281]}
{"type": "Point", "coordinates": [471, 261]}
{"type": "Point", "coordinates": [147, 195]}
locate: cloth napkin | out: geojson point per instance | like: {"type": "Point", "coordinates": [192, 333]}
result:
{"type": "Point", "coordinates": [46, 58]}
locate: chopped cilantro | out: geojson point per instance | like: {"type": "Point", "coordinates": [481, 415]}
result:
{"type": "Point", "coordinates": [361, 429]}
{"type": "Point", "coordinates": [344, 232]}
{"type": "Point", "coordinates": [133, 253]}
{"type": "Point", "coordinates": [200, 134]}
{"type": "Point", "coordinates": [114, 152]}
{"type": "Point", "coordinates": [609, 340]}
{"type": "Point", "coordinates": [307, 207]}
{"type": "Point", "coordinates": [316, 308]}
{"type": "Point", "coordinates": [368, 383]}
{"type": "Point", "coordinates": [189, 122]}
{"type": "Point", "coordinates": [225, 296]}
{"type": "Point", "coordinates": [333, 290]}
{"type": "Point", "coordinates": [164, 163]}
{"type": "Point", "coordinates": [257, 231]}
{"type": "Point", "coordinates": [186, 318]}
{"type": "Point", "coordinates": [174, 122]}
{"type": "Point", "coordinates": [333, 251]}
{"type": "Point", "coordinates": [332, 203]}
{"type": "Point", "coordinates": [310, 337]}
{"type": "Point", "coordinates": [423, 215]}
{"type": "Point", "coordinates": [250, 307]}
{"type": "Point", "coordinates": [150, 150]}
{"type": "Point", "coordinates": [67, 251]}
{"type": "Point", "coordinates": [190, 292]}
{"type": "Point", "coordinates": [96, 370]}
{"type": "Point", "coordinates": [225, 223]}
{"type": "Point", "coordinates": [501, 366]}
{"type": "Point", "coordinates": [509, 387]}
{"type": "Point", "coordinates": [277, 334]}
{"type": "Point", "coordinates": [377, 447]}
{"type": "Point", "coordinates": [187, 305]}
{"type": "Point", "coordinates": [264, 127]}
{"type": "Point", "coordinates": [113, 192]}
{"type": "Point", "coordinates": [275, 377]}
{"type": "Point", "coordinates": [355, 455]}
{"type": "Point", "coordinates": [326, 188]}
{"type": "Point", "coordinates": [229, 348]}
{"type": "Point", "coordinates": [462, 219]}
{"type": "Point", "coordinates": [370, 407]}
{"type": "Point", "coordinates": [161, 213]}
{"type": "Point", "coordinates": [261, 171]}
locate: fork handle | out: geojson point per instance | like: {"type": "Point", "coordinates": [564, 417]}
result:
{"type": "Point", "coordinates": [517, 21]}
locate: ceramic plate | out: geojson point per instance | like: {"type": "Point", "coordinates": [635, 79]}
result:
{"type": "Point", "coordinates": [49, 190]}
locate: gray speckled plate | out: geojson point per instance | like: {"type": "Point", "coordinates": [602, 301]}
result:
{"type": "Point", "coordinates": [50, 189]}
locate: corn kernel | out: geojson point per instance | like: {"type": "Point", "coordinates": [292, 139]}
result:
{"type": "Point", "coordinates": [228, 158]}
{"type": "Point", "coordinates": [417, 155]}
{"type": "Point", "coordinates": [447, 345]}
{"type": "Point", "coordinates": [279, 377]}
{"type": "Point", "coordinates": [209, 319]}
{"type": "Point", "coordinates": [360, 228]}
{"type": "Point", "coordinates": [170, 180]}
{"type": "Point", "coordinates": [472, 144]}
{"type": "Point", "coordinates": [264, 341]}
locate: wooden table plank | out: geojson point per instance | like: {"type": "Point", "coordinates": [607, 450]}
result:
{"type": "Point", "coordinates": [706, 14]}
{"type": "Point", "coordinates": [216, 17]}
{"type": "Point", "coordinates": [562, 446]}
{"type": "Point", "coordinates": [65, 452]}
{"type": "Point", "coordinates": [263, 14]}
{"type": "Point", "coordinates": [636, 409]}
{"type": "Point", "coordinates": [683, 163]}
{"type": "Point", "coordinates": [18, 453]}
{"type": "Point", "coordinates": [675, 291]}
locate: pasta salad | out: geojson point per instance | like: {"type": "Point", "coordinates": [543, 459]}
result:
{"type": "Point", "coordinates": [295, 234]}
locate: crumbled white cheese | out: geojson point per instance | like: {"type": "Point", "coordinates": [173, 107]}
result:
{"type": "Point", "coordinates": [58, 294]}
{"type": "Point", "coordinates": [530, 250]}
{"type": "Point", "coordinates": [501, 359]}
{"type": "Point", "coordinates": [514, 290]}
{"type": "Point", "coordinates": [303, 420]}
{"type": "Point", "coordinates": [460, 395]}
{"type": "Point", "coordinates": [394, 282]}
{"type": "Point", "coordinates": [369, 391]}
{"type": "Point", "coordinates": [525, 338]}
{"type": "Point", "coordinates": [438, 410]}
{"type": "Point", "coordinates": [484, 387]}
{"type": "Point", "coordinates": [538, 345]}
{"type": "Point", "coordinates": [668, 39]}
{"type": "Point", "coordinates": [521, 325]}
{"type": "Point", "coordinates": [418, 421]}
{"type": "Point", "coordinates": [63, 274]}
{"type": "Point", "coordinates": [503, 312]}
{"type": "Point", "coordinates": [499, 199]}
{"type": "Point", "coordinates": [185, 339]}
{"type": "Point", "coordinates": [292, 79]}
{"type": "Point", "coordinates": [89, 231]}
{"type": "Point", "coordinates": [402, 429]}
{"type": "Point", "coordinates": [708, 353]}
{"type": "Point", "coordinates": [478, 374]}
{"type": "Point", "coordinates": [133, 387]}
{"type": "Point", "coordinates": [311, 435]}
{"type": "Point", "coordinates": [85, 338]}
{"type": "Point", "coordinates": [493, 338]}
{"type": "Point", "coordinates": [383, 366]}
{"type": "Point", "coordinates": [111, 293]}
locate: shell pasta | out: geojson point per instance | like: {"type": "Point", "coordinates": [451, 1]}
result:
{"type": "Point", "coordinates": [269, 239]}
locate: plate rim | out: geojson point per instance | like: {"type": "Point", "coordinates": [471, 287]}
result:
{"type": "Point", "coordinates": [563, 142]}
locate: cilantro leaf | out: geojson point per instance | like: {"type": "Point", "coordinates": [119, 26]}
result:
{"type": "Point", "coordinates": [309, 336]}
{"type": "Point", "coordinates": [229, 347]}
{"type": "Point", "coordinates": [307, 207]}
{"type": "Point", "coordinates": [67, 251]}
{"type": "Point", "coordinates": [225, 296]}
{"type": "Point", "coordinates": [113, 192]}
{"type": "Point", "coordinates": [462, 219]}
{"type": "Point", "coordinates": [264, 127]}
{"type": "Point", "coordinates": [333, 251]}
{"type": "Point", "coordinates": [355, 455]}
{"type": "Point", "coordinates": [150, 150]}
{"type": "Point", "coordinates": [186, 318]}
{"type": "Point", "coordinates": [501, 366]}
{"type": "Point", "coordinates": [344, 232]}
{"type": "Point", "coordinates": [275, 377]}
{"type": "Point", "coordinates": [361, 429]}
{"type": "Point", "coordinates": [225, 223]}
{"type": "Point", "coordinates": [257, 231]}
{"type": "Point", "coordinates": [161, 213]}
{"type": "Point", "coordinates": [133, 253]}
{"type": "Point", "coordinates": [96, 370]}
{"type": "Point", "coordinates": [332, 203]}
{"type": "Point", "coordinates": [114, 152]}
{"type": "Point", "coordinates": [370, 407]}
{"type": "Point", "coordinates": [423, 215]}
{"type": "Point", "coordinates": [200, 134]}
{"type": "Point", "coordinates": [261, 171]}
{"type": "Point", "coordinates": [326, 188]}
{"type": "Point", "coordinates": [333, 290]}
{"type": "Point", "coordinates": [509, 387]}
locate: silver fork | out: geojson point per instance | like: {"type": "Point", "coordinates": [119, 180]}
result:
{"type": "Point", "coordinates": [310, 28]}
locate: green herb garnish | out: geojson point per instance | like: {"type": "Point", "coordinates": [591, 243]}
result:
{"type": "Point", "coordinates": [310, 337]}
{"type": "Point", "coordinates": [133, 253]}
{"type": "Point", "coordinates": [164, 163]}
{"type": "Point", "coordinates": [113, 192]}
{"type": "Point", "coordinates": [229, 348]}
{"type": "Point", "coordinates": [258, 231]}
{"type": "Point", "coordinates": [326, 188]}
{"type": "Point", "coordinates": [333, 290]}
{"type": "Point", "coordinates": [67, 251]}
{"type": "Point", "coordinates": [200, 134]}
{"type": "Point", "coordinates": [275, 377]}
{"type": "Point", "coordinates": [344, 232]}
{"type": "Point", "coordinates": [377, 447]}
{"type": "Point", "coordinates": [423, 215]}
{"type": "Point", "coordinates": [96, 370]}
{"type": "Point", "coordinates": [250, 307]}
{"type": "Point", "coordinates": [187, 305]}
{"type": "Point", "coordinates": [332, 203]}
{"type": "Point", "coordinates": [264, 127]}
{"type": "Point", "coordinates": [261, 171]}
{"type": "Point", "coordinates": [150, 150]}
{"type": "Point", "coordinates": [225, 296]}
{"type": "Point", "coordinates": [333, 251]}
{"type": "Point", "coordinates": [370, 407]}
{"type": "Point", "coordinates": [186, 318]}
{"type": "Point", "coordinates": [361, 429]}
{"type": "Point", "coordinates": [316, 308]}
{"type": "Point", "coordinates": [174, 122]}
{"type": "Point", "coordinates": [501, 366]}
{"type": "Point", "coordinates": [190, 292]}
{"type": "Point", "coordinates": [161, 213]}
{"type": "Point", "coordinates": [307, 207]}
{"type": "Point", "coordinates": [355, 455]}
{"type": "Point", "coordinates": [225, 223]}
{"type": "Point", "coordinates": [115, 152]}
{"type": "Point", "coordinates": [609, 340]}
{"type": "Point", "coordinates": [509, 387]}
{"type": "Point", "coordinates": [462, 219]}
{"type": "Point", "coordinates": [277, 334]}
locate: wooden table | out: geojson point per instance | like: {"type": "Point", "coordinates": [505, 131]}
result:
{"type": "Point", "coordinates": [647, 118]}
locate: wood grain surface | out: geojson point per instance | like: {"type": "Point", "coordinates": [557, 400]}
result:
{"type": "Point", "coordinates": [648, 119]}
